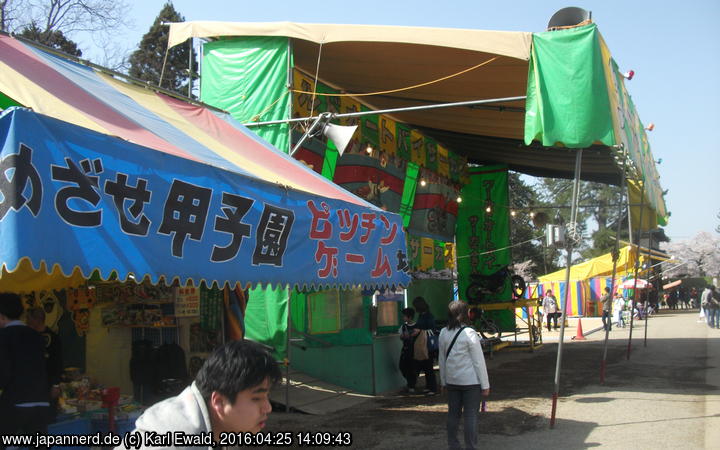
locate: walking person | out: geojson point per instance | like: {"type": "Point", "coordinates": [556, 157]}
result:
{"type": "Point", "coordinates": [550, 309]}
{"type": "Point", "coordinates": [702, 317]}
{"type": "Point", "coordinates": [712, 304]}
{"type": "Point", "coordinates": [408, 333]}
{"type": "Point", "coordinates": [53, 356]}
{"type": "Point", "coordinates": [463, 373]}
{"type": "Point", "coordinates": [618, 307]}
{"type": "Point", "coordinates": [424, 361]}
{"type": "Point", "coordinates": [25, 397]}
{"type": "Point", "coordinates": [606, 301]}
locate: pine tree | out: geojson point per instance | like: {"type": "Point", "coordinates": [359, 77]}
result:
{"type": "Point", "coordinates": [51, 38]}
{"type": "Point", "coordinates": [147, 61]}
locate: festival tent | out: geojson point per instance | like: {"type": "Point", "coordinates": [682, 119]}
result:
{"type": "Point", "coordinates": [556, 91]}
{"type": "Point", "coordinates": [545, 96]}
{"type": "Point", "coordinates": [113, 177]}
{"type": "Point", "coordinates": [589, 279]}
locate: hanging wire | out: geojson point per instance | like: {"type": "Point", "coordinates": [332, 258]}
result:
{"type": "Point", "coordinates": [257, 116]}
{"type": "Point", "coordinates": [391, 91]}
{"type": "Point", "coordinates": [504, 248]}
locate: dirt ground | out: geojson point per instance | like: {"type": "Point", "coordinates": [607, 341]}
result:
{"type": "Point", "coordinates": [518, 409]}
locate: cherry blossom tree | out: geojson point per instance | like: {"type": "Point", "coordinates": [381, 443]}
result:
{"type": "Point", "coordinates": [696, 257]}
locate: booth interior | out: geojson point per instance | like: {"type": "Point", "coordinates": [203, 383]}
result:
{"type": "Point", "coordinates": [143, 341]}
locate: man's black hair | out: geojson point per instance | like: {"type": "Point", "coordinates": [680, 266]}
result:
{"type": "Point", "coordinates": [11, 305]}
{"type": "Point", "coordinates": [235, 367]}
{"type": "Point", "coordinates": [409, 312]}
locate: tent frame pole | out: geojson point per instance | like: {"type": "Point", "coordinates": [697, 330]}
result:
{"type": "Point", "coordinates": [637, 267]}
{"type": "Point", "coordinates": [569, 248]}
{"type": "Point", "coordinates": [615, 256]}
{"type": "Point", "coordinates": [389, 111]}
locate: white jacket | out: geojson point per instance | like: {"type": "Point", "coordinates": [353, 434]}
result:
{"type": "Point", "coordinates": [465, 365]}
{"type": "Point", "coordinates": [187, 413]}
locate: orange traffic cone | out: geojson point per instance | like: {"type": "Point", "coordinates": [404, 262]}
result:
{"type": "Point", "coordinates": [579, 335]}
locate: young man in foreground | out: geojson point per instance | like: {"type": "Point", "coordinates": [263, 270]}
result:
{"type": "Point", "coordinates": [229, 395]}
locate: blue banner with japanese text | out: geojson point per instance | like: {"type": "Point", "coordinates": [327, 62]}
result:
{"type": "Point", "coordinates": [77, 198]}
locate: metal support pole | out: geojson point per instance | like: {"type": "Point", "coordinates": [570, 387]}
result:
{"type": "Point", "coordinates": [390, 111]}
{"type": "Point", "coordinates": [637, 266]}
{"type": "Point", "coordinates": [190, 67]}
{"type": "Point", "coordinates": [569, 247]}
{"type": "Point", "coordinates": [310, 130]}
{"type": "Point", "coordinates": [616, 255]}
{"type": "Point", "coordinates": [287, 356]}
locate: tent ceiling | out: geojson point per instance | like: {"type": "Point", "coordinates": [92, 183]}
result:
{"type": "Point", "coordinates": [487, 134]}
{"type": "Point", "coordinates": [360, 59]}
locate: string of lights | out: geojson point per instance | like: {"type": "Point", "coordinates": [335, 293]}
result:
{"type": "Point", "coordinates": [504, 248]}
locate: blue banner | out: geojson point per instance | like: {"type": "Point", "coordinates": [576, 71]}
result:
{"type": "Point", "coordinates": [77, 198]}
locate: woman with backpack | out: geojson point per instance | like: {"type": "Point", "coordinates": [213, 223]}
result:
{"type": "Point", "coordinates": [423, 354]}
{"type": "Point", "coordinates": [463, 373]}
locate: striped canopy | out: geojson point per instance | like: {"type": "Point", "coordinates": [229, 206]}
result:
{"type": "Point", "coordinates": [175, 162]}
{"type": "Point", "coordinates": [90, 98]}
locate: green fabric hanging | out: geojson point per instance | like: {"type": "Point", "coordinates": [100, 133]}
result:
{"type": "Point", "coordinates": [248, 77]}
{"type": "Point", "coordinates": [266, 318]}
{"type": "Point", "coordinates": [330, 160]}
{"type": "Point", "coordinates": [567, 94]}
{"type": "Point", "coordinates": [408, 196]}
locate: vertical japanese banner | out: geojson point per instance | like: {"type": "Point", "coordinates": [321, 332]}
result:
{"type": "Point", "coordinates": [443, 161]}
{"type": "Point", "coordinates": [387, 130]}
{"type": "Point", "coordinates": [439, 255]}
{"type": "Point", "coordinates": [427, 252]}
{"type": "Point", "coordinates": [369, 131]}
{"type": "Point", "coordinates": [302, 102]}
{"type": "Point", "coordinates": [431, 154]}
{"type": "Point", "coordinates": [417, 148]}
{"type": "Point", "coordinates": [187, 301]}
{"type": "Point", "coordinates": [402, 138]}
{"type": "Point", "coordinates": [483, 235]}
{"type": "Point", "coordinates": [211, 303]}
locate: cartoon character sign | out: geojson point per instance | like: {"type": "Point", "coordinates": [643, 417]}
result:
{"type": "Point", "coordinates": [79, 301]}
{"type": "Point", "coordinates": [48, 301]}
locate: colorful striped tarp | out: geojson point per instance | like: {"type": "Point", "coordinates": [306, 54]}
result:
{"type": "Point", "coordinates": [194, 195]}
{"type": "Point", "coordinates": [87, 97]}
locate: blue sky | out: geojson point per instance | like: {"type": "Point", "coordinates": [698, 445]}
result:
{"type": "Point", "coordinates": [673, 48]}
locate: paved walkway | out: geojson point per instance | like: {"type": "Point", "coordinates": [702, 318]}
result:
{"type": "Point", "coordinates": [666, 396]}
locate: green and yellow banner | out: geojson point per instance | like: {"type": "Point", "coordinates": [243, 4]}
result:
{"type": "Point", "coordinates": [483, 236]}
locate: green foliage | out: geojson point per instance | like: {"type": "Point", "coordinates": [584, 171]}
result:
{"type": "Point", "coordinates": [522, 197]}
{"type": "Point", "coordinates": [147, 61]}
{"type": "Point", "coordinates": [598, 205]}
{"type": "Point", "coordinates": [50, 38]}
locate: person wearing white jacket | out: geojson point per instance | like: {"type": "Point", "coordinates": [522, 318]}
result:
{"type": "Point", "coordinates": [463, 374]}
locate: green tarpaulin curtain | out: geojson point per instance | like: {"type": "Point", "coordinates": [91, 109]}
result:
{"type": "Point", "coordinates": [248, 77]}
{"type": "Point", "coordinates": [483, 225]}
{"type": "Point", "coordinates": [567, 99]}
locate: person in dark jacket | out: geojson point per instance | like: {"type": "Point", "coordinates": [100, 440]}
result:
{"type": "Point", "coordinates": [425, 321]}
{"type": "Point", "coordinates": [407, 362]}
{"type": "Point", "coordinates": [53, 355]}
{"type": "Point", "coordinates": [24, 402]}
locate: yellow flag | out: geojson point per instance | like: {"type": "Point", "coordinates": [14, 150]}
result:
{"type": "Point", "coordinates": [417, 148]}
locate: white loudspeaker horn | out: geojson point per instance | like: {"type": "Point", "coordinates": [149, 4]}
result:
{"type": "Point", "coordinates": [340, 135]}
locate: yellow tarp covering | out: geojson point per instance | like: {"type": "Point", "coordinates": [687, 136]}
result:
{"type": "Point", "coordinates": [597, 267]}
{"type": "Point", "coordinates": [26, 279]}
